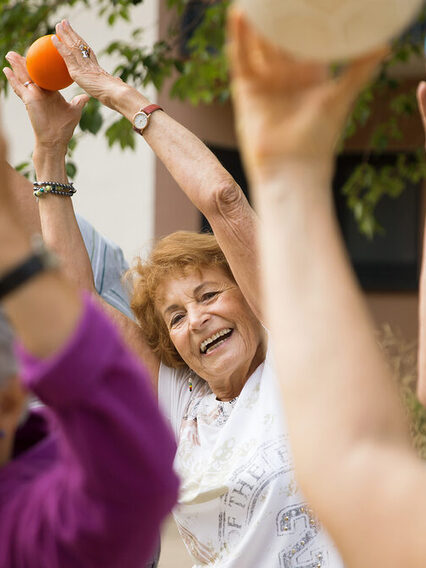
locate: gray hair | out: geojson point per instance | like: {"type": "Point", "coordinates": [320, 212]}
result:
{"type": "Point", "coordinates": [8, 363]}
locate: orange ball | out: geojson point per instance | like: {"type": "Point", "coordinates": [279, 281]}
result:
{"type": "Point", "coordinates": [46, 66]}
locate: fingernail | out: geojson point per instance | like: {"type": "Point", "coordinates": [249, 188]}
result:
{"type": "Point", "coordinates": [7, 55]}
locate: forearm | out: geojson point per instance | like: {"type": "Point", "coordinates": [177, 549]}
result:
{"type": "Point", "coordinates": [59, 225]}
{"type": "Point", "coordinates": [193, 166]}
{"type": "Point", "coordinates": [332, 373]}
{"type": "Point", "coordinates": [207, 184]}
{"type": "Point", "coordinates": [43, 310]}
{"type": "Point", "coordinates": [62, 234]}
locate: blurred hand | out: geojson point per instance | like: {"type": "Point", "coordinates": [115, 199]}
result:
{"type": "Point", "coordinates": [53, 119]}
{"type": "Point", "coordinates": [288, 109]}
{"type": "Point", "coordinates": [85, 71]}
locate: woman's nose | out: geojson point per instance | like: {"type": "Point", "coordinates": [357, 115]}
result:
{"type": "Point", "coordinates": [197, 317]}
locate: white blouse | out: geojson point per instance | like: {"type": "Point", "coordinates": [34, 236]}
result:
{"type": "Point", "coordinates": [239, 506]}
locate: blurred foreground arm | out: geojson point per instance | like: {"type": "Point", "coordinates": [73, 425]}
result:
{"type": "Point", "coordinates": [349, 437]}
{"type": "Point", "coordinates": [100, 497]}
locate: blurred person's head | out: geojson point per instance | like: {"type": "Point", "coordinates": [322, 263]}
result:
{"type": "Point", "coordinates": [12, 396]}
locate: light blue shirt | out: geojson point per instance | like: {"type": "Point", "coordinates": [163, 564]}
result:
{"type": "Point", "coordinates": [108, 265]}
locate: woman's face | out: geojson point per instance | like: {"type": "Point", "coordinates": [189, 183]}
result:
{"type": "Point", "coordinates": [211, 325]}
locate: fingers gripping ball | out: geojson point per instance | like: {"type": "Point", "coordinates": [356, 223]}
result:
{"type": "Point", "coordinates": [46, 66]}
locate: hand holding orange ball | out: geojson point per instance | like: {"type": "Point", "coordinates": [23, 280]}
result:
{"type": "Point", "coordinates": [46, 66]}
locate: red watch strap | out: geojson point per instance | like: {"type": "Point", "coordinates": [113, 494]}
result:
{"type": "Point", "coordinates": [151, 108]}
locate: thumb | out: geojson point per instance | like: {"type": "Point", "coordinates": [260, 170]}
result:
{"type": "Point", "coordinates": [80, 101]}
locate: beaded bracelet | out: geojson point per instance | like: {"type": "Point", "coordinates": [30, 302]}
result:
{"type": "Point", "coordinates": [43, 187]}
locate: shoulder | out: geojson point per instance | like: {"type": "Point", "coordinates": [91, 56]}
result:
{"type": "Point", "coordinates": [108, 265]}
{"type": "Point", "coordinates": [102, 252]}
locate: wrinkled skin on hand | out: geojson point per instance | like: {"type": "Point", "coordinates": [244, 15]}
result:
{"type": "Point", "coordinates": [53, 118]}
{"type": "Point", "coordinates": [85, 71]}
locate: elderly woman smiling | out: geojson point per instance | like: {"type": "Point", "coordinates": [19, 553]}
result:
{"type": "Point", "coordinates": [197, 302]}
{"type": "Point", "coordinates": [194, 314]}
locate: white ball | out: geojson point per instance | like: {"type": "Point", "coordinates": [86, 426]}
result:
{"type": "Point", "coordinates": [330, 30]}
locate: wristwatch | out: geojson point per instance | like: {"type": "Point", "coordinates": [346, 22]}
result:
{"type": "Point", "coordinates": [141, 119]}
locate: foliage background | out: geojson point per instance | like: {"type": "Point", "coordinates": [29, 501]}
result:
{"type": "Point", "coordinates": [193, 55]}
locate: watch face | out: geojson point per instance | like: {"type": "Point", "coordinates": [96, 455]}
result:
{"type": "Point", "coordinates": [140, 120]}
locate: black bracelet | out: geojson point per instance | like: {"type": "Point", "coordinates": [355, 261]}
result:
{"type": "Point", "coordinates": [39, 260]}
{"type": "Point", "coordinates": [42, 188]}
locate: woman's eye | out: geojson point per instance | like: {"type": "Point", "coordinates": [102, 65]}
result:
{"type": "Point", "coordinates": [208, 296]}
{"type": "Point", "coordinates": [175, 319]}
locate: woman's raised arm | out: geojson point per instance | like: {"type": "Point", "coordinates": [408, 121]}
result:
{"type": "Point", "coordinates": [54, 120]}
{"type": "Point", "coordinates": [194, 167]}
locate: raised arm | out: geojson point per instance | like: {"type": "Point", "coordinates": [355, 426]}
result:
{"type": "Point", "coordinates": [44, 311]}
{"type": "Point", "coordinates": [54, 120]}
{"type": "Point", "coordinates": [349, 438]}
{"type": "Point", "coordinates": [421, 382]}
{"type": "Point", "coordinates": [194, 167]}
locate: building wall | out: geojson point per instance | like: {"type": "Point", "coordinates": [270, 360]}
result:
{"type": "Point", "coordinates": [115, 189]}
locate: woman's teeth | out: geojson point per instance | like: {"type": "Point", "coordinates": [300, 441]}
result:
{"type": "Point", "coordinates": [207, 343]}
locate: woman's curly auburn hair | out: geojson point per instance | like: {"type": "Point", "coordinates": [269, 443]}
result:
{"type": "Point", "coordinates": [177, 254]}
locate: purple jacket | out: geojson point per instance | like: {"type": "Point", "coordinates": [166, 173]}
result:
{"type": "Point", "coordinates": [95, 490]}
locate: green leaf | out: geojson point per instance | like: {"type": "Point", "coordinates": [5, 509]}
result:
{"type": "Point", "coordinates": [71, 169]}
{"type": "Point", "coordinates": [121, 132]}
{"type": "Point", "coordinates": [91, 118]}
{"type": "Point", "coordinates": [192, 55]}
{"type": "Point", "coordinates": [26, 169]}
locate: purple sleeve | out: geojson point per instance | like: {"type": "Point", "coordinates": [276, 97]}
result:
{"type": "Point", "coordinates": [101, 503]}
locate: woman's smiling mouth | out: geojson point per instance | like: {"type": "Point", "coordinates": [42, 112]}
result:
{"type": "Point", "coordinates": [212, 342]}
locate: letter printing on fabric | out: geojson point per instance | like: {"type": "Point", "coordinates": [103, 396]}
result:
{"type": "Point", "coordinates": [239, 505]}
